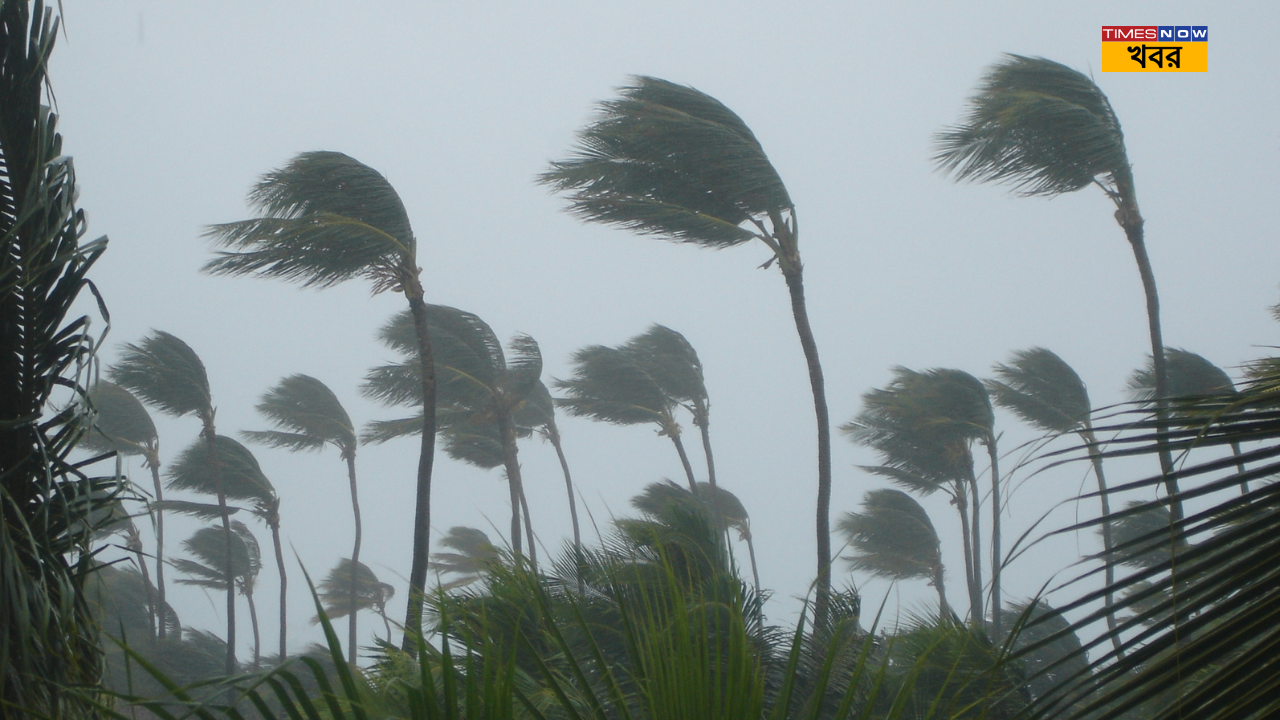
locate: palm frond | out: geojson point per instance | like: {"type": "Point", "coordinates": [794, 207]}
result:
{"type": "Point", "coordinates": [238, 469]}
{"type": "Point", "coordinates": [892, 537]}
{"type": "Point", "coordinates": [1039, 126]}
{"type": "Point", "coordinates": [608, 385]}
{"type": "Point", "coordinates": [121, 423]}
{"type": "Point", "coordinates": [324, 218]}
{"type": "Point", "coordinates": [335, 590]}
{"type": "Point", "coordinates": [308, 414]}
{"type": "Point", "coordinates": [669, 358]}
{"type": "Point", "coordinates": [212, 567]}
{"type": "Point", "coordinates": [1191, 376]}
{"type": "Point", "coordinates": [166, 373]}
{"type": "Point", "coordinates": [1042, 389]}
{"type": "Point", "coordinates": [203, 511]}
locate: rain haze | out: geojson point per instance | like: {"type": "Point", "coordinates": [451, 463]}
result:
{"type": "Point", "coordinates": [173, 111]}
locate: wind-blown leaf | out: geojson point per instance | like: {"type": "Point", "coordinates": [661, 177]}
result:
{"type": "Point", "coordinates": [892, 537]}
{"type": "Point", "coordinates": [309, 415]}
{"type": "Point", "coordinates": [122, 424]}
{"type": "Point", "coordinates": [1041, 389]}
{"type": "Point", "coordinates": [166, 373]}
{"type": "Point", "coordinates": [242, 478]}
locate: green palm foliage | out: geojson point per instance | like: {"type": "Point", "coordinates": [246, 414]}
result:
{"type": "Point", "coordinates": [667, 160]}
{"type": "Point", "coordinates": [335, 593]}
{"type": "Point", "coordinates": [893, 538]}
{"type": "Point", "coordinates": [1043, 390]}
{"type": "Point", "coordinates": [609, 384]}
{"type": "Point", "coordinates": [1044, 646]}
{"type": "Point", "coordinates": [310, 417]}
{"type": "Point", "coordinates": [1046, 130]}
{"type": "Point", "coordinates": [658, 499]}
{"type": "Point", "coordinates": [325, 218]}
{"type": "Point", "coordinates": [923, 425]}
{"type": "Point", "coordinates": [480, 388]}
{"type": "Point", "coordinates": [214, 569]}
{"type": "Point", "coordinates": [470, 557]}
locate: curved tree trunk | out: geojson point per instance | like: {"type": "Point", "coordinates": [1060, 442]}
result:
{"type": "Point", "coordinates": [211, 437]}
{"type": "Point", "coordinates": [996, 559]}
{"type": "Point", "coordinates": [1109, 558]}
{"type": "Point", "coordinates": [960, 499]}
{"type": "Point", "coordinates": [257, 644]}
{"type": "Point", "coordinates": [1235, 452]}
{"type": "Point", "coordinates": [553, 435]}
{"type": "Point", "coordinates": [511, 463]}
{"type": "Point", "coordinates": [355, 561]}
{"type": "Point", "coordinates": [284, 584]}
{"type": "Point", "coordinates": [755, 572]}
{"type": "Point", "coordinates": [133, 541]}
{"type": "Point", "coordinates": [153, 462]}
{"type": "Point", "coordinates": [684, 460]}
{"type": "Point", "coordinates": [944, 608]}
{"type": "Point", "coordinates": [702, 421]}
{"type": "Point", "coordinates": [528, 526]}
{"type": "Point", "coordinates": [795, 284]}
{"type": "Point", "coordinates": [426, 456]}
{"type": "Point", "coordinates": [975, 539]}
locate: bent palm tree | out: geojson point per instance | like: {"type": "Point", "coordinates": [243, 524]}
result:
{"type": "Point", "coordinates": [480, 389]}
{"type": "Point", "coordinates": [893, 538]}
{"type": "Point", "coordinates": [166, 373]}
{"type": "Point", "coordinates": [539, 413]}
{"type": "Point", "coordinates": [125, 426]}
{"type": "Point", "coordinates": [608, 384]}
{"type": "Point", "coordinates": [310, 417]}
{"type": "Point", "coordinates": [335, 592]}
{"type": "Point", "coordinates": [1046, 130]}
{"type": "Point", "coordinates": [471, 556]}
{"type": "Point", "coordinates": [213, 568]}
{"type": "Point", "coordinates": [1043, 390]}
{"type": "Point", "coordinates": [724, 506]}
{"type": "Point", "coordinates": [668, 160]}
{"type": "Point", "coordinates": [326, 218]}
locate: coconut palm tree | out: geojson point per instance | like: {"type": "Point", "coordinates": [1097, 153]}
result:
{"type": "Point", "coordinates": [539, 413]}
{"type": "Point", "coordinates": [479, 389]}
{"type": "Point", "coordinates": [241, 479]}
{"type": "Point", "coordinates": [325, 218]}
{"type": "Point", "coordinates": [724, 507]}
{"type": "Point", "coordinates": [668, 160]}
{"type": "Point", "coordinates": [213, 568]}
{"type": "Point", "coordinates": [123, 425]}
{"type": "Point", "coordinates": [893, 538]}
{"type": "Point", "coordinates": [335, 592]}
{"type": "Point", "coordinates": [1046, 130]}
{"type": "Point", "coordinates": [608, 384]}
{"type": "Point", "coordinates": [1043, 390]}
{"type": "Point", "coordinates": [310, 417]}
{"type": "Point", "coordinates": [923, 425]}
{"type": "Point", "coordinates": [164, 372]}
{"type": "Point", "coordinates": [1191, 376]}
{"type": "Point", "coordinates": [471, 556]}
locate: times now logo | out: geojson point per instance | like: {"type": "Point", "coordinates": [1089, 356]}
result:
{"type": "Point", "coordinates": [1160, 33]}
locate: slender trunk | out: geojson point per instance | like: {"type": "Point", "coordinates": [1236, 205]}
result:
{"type": "Point", "coordinates": [1131, 221]}
{"type": "Point", "coordinates": [284, 584]}
{"type": "Point", "coordinates": [975, 589]}
{"type": "Point", "coordinates": [997, 560]}
{"type": "Point", "coordinates": [528, 526]}
{"type": "Point", "coordinates": [755, 572]}
{"type": "Point", "coordinates": [684, 460]}
{"type": "Point", "coordinates": [1235, 451]}
{"type": "Point", "coordinates": [944, 608]}
{"type": "Point", "coordinates": [211, 437]}
{"type": "Point", "coordinates": [822, 586]}
{"type": "Point", "coordinates": [511, 462]}
{"type": "Point", "coordinates": [426, 456]}
{"type": "Point", "coordinates": [134, 543]}
{"type": "Point", "coordinates": [553, 434]}
{"type": "Point", "coordinates": [1109, 558]}
{"type": "Point", "coordinates": [702, 421]}
{"type": "Point", "coordinates": [257, 644]}
{"type": "Point", "coordinates": [386, 623]}
{"type": "Point", "coordinates": [355, 558]}
{"type": "Point", "coordinates": [980, 616]}
{"type": "Point", "coordinates": [153, 462]}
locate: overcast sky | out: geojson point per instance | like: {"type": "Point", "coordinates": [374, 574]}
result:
{"type": "Point", "coordinates": [173, 110]}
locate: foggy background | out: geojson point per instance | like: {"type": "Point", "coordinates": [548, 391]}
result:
{"type": "Point", "coordinates": [172, 111]}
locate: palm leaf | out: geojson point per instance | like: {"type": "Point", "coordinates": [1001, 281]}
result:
{"type": "Point", "coordinates": [122, 424]}
{"type": "Point", "coordinates": [309, 415]}
{"type": "Point", "coordinates": [1191, 376]}
{"type": "Point", "coordinates": [211, 566]}
{"type": "Point", "coordinates": [1042, 389]}
{"type": "Point", "coordinates": [892, 537]}
{"type": "Point", "coordinates": [335, 590]}
{"type": "Point", "coordinates": [608, 385]}
{"type": "Point", "coordinates": [164, 372]}
{"type": "Point", "coordinates": [237, 468]}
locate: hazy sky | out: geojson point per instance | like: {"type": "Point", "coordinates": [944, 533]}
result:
{"type": "Point", "coordinates": [173, 110]}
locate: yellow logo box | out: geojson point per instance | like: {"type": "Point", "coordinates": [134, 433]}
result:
{"type": "Point", "coordinates": [1155, 57]}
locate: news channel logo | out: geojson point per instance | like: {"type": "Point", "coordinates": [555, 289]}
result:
{"type": "Point", "coordinates": [1155, 48]}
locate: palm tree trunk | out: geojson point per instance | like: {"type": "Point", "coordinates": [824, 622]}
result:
{"type": "Point", "coordinates": [944, 608]}
{"type": "Point", "coordinates": [1130, 219]}
{"type": "Point", "coordinates": [684, 460]}
{"type": "Point", "coordinates": [1109, 559]}
{"type": "Point", "coordinates": [257, 644]}
{"type": "Point", "coordinates": [528, 526]}
{"type": "Point", "coordinates": [755, 572]}
{"type": "Point", "coordinates": [980, 614]}
{"type": "Point", "coordinates": [284, 583]}
{"type": "Point", "coordinates": [211, 437]}
{"type": "Point", "coordinates": [960, 498]}
{"type": "Point", "coordinates": [702, 421]}
{"type": "Point", "coordinates": [553, 435]}
{"type": "Point", "coordinates": [355, 560]}
{"type": "Point", "coordinates": [134, 543]}
{"type": "Point", "coordinates": [996, 559]}
{"type": "Point", "coordinates": [1235, 451]}
{"type": "Point", "coordinates": [791, 270]}
{"type": "Point", "coordinates": [426, 457]}
{"type": "Point", "coordinates": [153, 462]}
{"type": "Point", "coordinates": [511, 462]}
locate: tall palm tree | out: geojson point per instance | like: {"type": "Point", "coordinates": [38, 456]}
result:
{"type": "Point", "coordinates": [1191, 376]}
{"type": "Point", "coordinates": [668, 160]}
{"type": "Point", "coordinates": [1043, 390]}
{"type": "Point", "coordinates": [539, 413]}
{"type": "Point", "coordinates": [608, 384]}
{"type": "Point", "coordinates": [893, 538]}
{"type": "Point", "coordinates": [325, 218]}
{"type": "Point", "coordinates": [213, 568]}
{"type": "Point", "coordinates": [1046, 130]}
{"type": "Point", "coordinates": [310, 417]}
{"type": "Point", "coordinates": [335, 592]}
{"type": "Point", "coordinates": [923, 425]}
{"type": "Point", "coordinates": [123, 425]}
{"type": "Point", "coordinates": [470, 556]}
{"type": "Point", "coordinates": [479, 389]}
{"type": "Point", "coordinates": [240, 478]}
{"type": "Point", "coordinates": [166, 373]}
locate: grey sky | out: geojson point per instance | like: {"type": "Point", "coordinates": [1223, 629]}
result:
{"type": "Point", "coordinates": [173, 110]}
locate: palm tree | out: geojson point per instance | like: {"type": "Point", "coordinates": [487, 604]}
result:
{"type": "Point", "coordinates": [923, 425]}
{"type": "Point", "coordinates": [310, 417]}
{"type": "Point", "coordinates": [479, 389]}
{"type": "Point", "coordinates": [724, 507]}
{"type": "Point", "coordinates": [608, 384]}
{"type": "Point", "coordinates": [668, 160]}
{"type": "Point", "coordinates": [1046, 130]}
{"type": "Point", "coordinates": [166, 373]}
{"type": "Point", "coordinates": [325, 218]}
{"type": "Point", "coordinates": [123, 425]}
{"type": "Point", "coordinates": [213, 568]}
{"type": "Point", "coordinates": [1191, 376]}
{"type": "Point", "coordinates": [539, 413]}
{"type": "Point", "coordinates": [893, 538]}
{"type": "Point", "coordinates": [470, 558]}
{"type": "Point", "coordinates": [1043, 390]}
{"type": "Point", "coordinates": [335, 592]}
